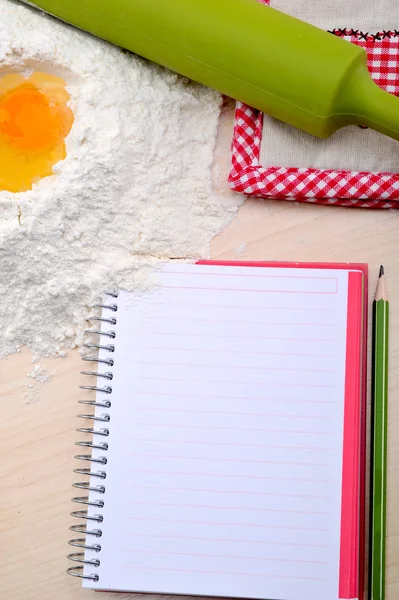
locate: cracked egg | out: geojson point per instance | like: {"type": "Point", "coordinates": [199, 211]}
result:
{"type": "Point", "coordinates": [35, 119]}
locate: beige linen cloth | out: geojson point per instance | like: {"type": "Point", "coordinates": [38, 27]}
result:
{"type": "Point", "coordinates": [351, 148]}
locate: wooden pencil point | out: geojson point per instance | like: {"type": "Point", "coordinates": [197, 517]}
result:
{"type": "Point", "coordinates": [381, 293]}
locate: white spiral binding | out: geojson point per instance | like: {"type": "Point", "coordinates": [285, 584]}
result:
{"type": "Point", "coordinates": [98, 442]}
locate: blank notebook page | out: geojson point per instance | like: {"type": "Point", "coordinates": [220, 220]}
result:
{"type": "Point", "coordinates": [224, 473]}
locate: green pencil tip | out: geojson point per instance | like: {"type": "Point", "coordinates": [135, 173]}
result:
{"type": "Point", "coordinates": [381, 271]}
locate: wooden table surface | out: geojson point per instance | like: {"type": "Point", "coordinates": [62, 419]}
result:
{"type": "Point", "coordinates": [37, 438]}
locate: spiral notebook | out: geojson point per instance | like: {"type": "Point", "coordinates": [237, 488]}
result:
{"type": "Point", "coordinates": [228, 454]}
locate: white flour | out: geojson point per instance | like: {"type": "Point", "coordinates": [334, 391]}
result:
{"type": "Point", "coordinates": [31, 390]}
{"type": "Point", "coordinates": [135, 186]}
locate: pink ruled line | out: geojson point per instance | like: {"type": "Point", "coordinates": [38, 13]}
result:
{"type": "Point", "coordinates": [234, 444]}
{"type": "Point", "coordinates": [246, 322]}
{"type": "Point", "coordinates": [207, 539]}
{"type": "Point", "coordinates": [220, 289]}
{"type": "Point", "coordinates": [213, 491]}
{"type": "Point", "coordinates": [208, 555]}
{"type": "Point", "coordinates": [203, 397]}
{"type": "Point", "coordinates": [242, 367]}
{"type": "Point", "coordinates": [156, 569]}
{"type": "Point", "coordinates": [291, 431]}
{"type": "Point", "coordinates": [246, 382]}
{"type": "Point", "coordinates": [290, 527]}
{"type": "Point", "coordinates": [246, 508]}
{"type": "Point", "coordinates": [224, 351]}
{"type": "Point", "coordinates": [238, 337]}
{"type": "Point", "coordinates": [163, 472]}
{"type": "Point", "coordinates": [229, 412]}
{"type": "Point", "coordinates": [233, 460]}
{"type": "Point", "coordinates": [219, 273]}
{"type": "Point", "coordinates": [239, 307]}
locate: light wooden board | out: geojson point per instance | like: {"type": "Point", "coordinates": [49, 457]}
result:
{"type": "Point", "coordinates": [37, 438]}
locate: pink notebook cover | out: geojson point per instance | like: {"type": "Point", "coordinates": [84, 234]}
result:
{"type": "Point", "coordinates": [352, 553]}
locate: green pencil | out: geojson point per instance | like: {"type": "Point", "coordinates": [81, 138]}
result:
{"type": "Point", "coordinates": [379, 442]}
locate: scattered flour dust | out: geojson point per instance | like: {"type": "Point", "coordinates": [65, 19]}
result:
{"type": "Point", "coordinates": [134, 189]}
{"type": "Point", "coordinates": [37, 377]}
{"type": "Point", "coordinates": [240, 249]}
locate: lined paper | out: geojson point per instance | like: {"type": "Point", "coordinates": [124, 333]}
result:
{"type": "Point", "coordinates": [224, 472]}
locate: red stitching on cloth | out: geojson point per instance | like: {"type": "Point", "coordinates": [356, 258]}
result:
{"type": "Point", "coordinates": [361, 35]}
{"type": "Point", "coordinates": [359, 189]}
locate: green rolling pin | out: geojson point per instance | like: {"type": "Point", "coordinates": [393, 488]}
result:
{"type": "Point", "coordinates": [288, 69]}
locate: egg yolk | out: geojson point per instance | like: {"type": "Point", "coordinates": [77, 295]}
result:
{"type": "Point", "coordinates": [34, 122]}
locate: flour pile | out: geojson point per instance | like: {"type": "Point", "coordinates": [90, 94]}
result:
{"type": "Point", "coordinates": [135, 186]}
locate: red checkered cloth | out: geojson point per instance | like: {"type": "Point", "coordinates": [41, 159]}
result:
{"type": "Point", "coordinates": [337, 187]}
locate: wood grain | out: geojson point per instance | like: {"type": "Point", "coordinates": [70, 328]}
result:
{"type": "Point", "coordinates": [37, 438]}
